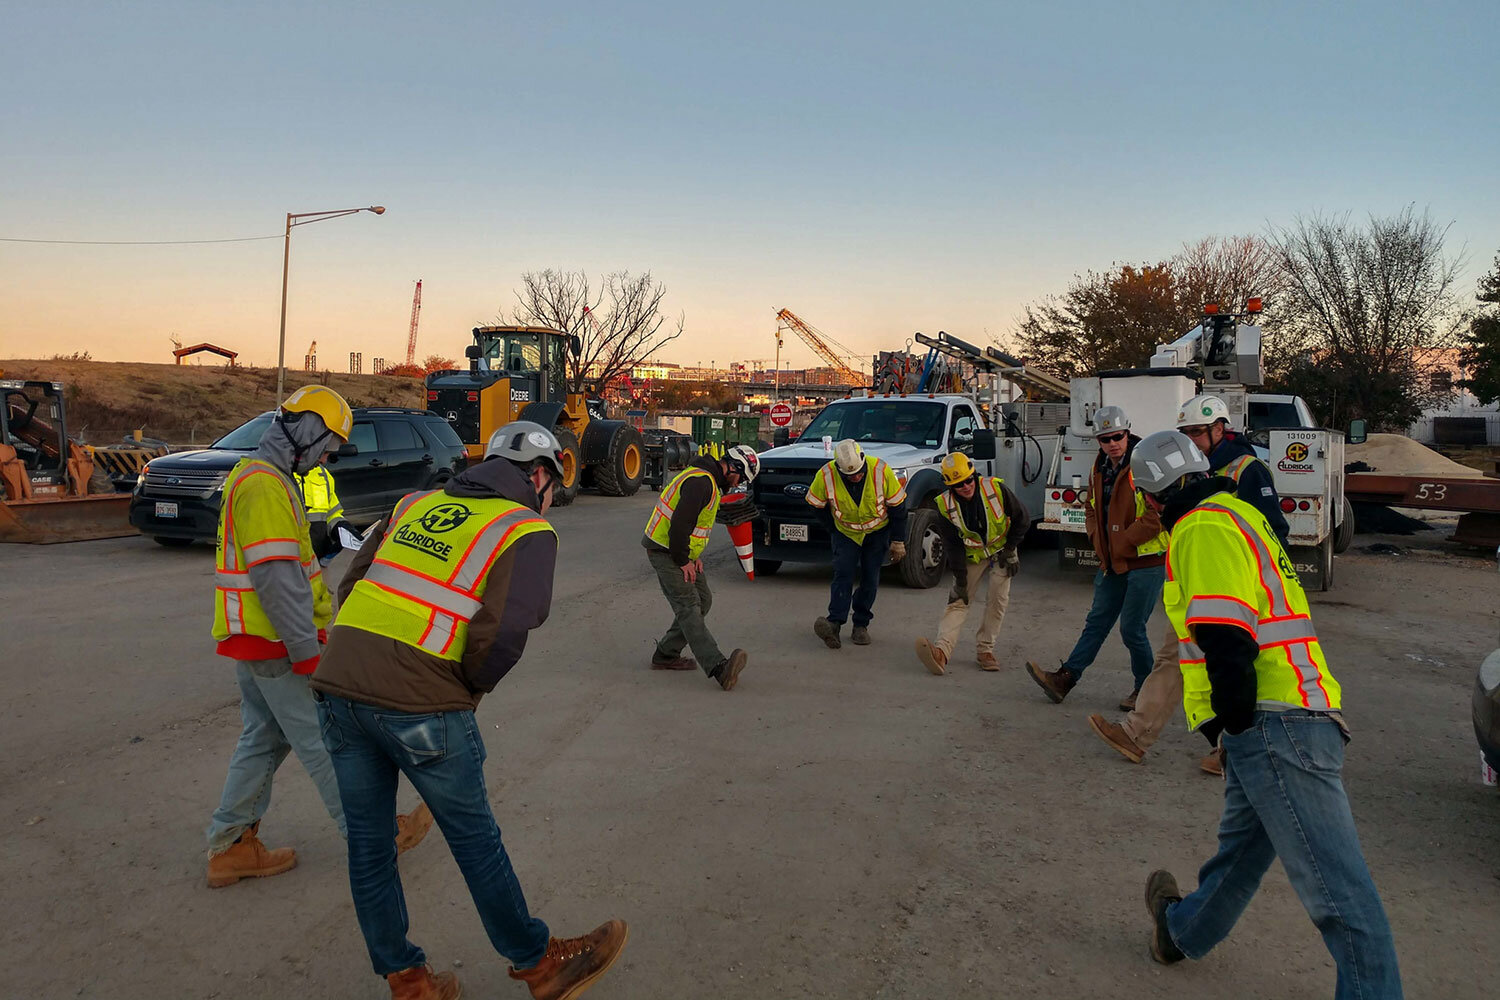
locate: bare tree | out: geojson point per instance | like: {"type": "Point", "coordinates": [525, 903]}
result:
{"type": "Point", "coordinates": [1374, 310]}
{"type": "Point", "coordinates": [1228, 270]}
{"type": "Point", "coordinates": [620, 324]}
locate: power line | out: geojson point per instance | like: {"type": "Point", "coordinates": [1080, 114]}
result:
{"type": "Point", "coordinates": [138, 243]}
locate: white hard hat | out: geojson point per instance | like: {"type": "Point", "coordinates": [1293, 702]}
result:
{"type": "Point", "coordinates": [743, 459]}
{"type": "Point", "coordinates": [1109, 420]}
{"type": "Point", "coordinates": [848, 457]}
{"type": "Point", "coordinates": [1201, 410]}
{"type": "Point", "coordinates": [525, 443]}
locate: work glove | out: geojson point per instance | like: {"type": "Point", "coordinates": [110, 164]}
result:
{"type": "Point", "coordinates": [1012, 564]}
{"type": "Point", "coordinates": [960, 591]}
{"type": "Point", "coordinates": [898, 551]}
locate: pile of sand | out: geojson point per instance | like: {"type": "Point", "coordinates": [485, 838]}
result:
{"type": "Point", "coordinates": [1398, 455]}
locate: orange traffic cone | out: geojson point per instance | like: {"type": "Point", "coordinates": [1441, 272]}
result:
{"type": "Point", "coordinates": [743, 537]}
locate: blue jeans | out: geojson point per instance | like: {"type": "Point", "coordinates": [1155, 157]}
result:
{"type": "Point", "coordinates": [1283, 798]}
{"type": "Point", "coordinates": [1130, 598]}
{"type": "Point", "coordinates": [443, 757]}
{"type": "Point", "coordinates": [278, 716]}
{"type": "Point", "coordinates": [856, 575]}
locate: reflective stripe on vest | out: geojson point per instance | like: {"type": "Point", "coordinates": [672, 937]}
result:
{"type": "Point", "coordinates": [237, 607]}
{"type": "Point", "coordinates": [659, 524]}
{"type": "Point", "coordinates": [1291, 671]}
{"type": "Point", "coordinates": [1152, 546]}
{"type": "Point", "coordinates": [1237, 466]}
{"type": "Point", "coordinates": [977, 549]}
{"type": "Point", "coordinates": [860, 518]}
{"type": "Point", "coordinates": [412, 593]}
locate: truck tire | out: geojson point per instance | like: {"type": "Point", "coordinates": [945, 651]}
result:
{"type": "Point", "coordinates": [767, 567]}
{"type": "Point", "coordinates": [1344, 535]}
{"type": "Point", "coordinates": [564, 492]}
{"type": "Point", "coordinates": [620, 474]}
{"type": "Point", "coordinates": [1325, 558]}
{"type": "Point", "coordinates": [925, 556]}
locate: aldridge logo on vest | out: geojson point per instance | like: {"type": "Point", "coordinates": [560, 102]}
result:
{"type": "Point", "coordinates": [445, 517]}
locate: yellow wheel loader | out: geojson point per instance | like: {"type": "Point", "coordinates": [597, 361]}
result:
{"type": "Point", "coordinates": [521, 373]}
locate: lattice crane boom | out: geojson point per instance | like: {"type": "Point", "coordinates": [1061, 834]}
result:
{"type": "Point", "coordinates": [411, 337]}
{"type": "Point", "coordinates": [823, 345]}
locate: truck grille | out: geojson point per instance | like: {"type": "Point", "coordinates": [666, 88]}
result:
{"type": "Point", "coordinates": [183, 484]}
{"type": "Point", "coordinates": [771, 495]}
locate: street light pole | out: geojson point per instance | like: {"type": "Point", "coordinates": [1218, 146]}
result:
{"type": "Point", "coordinates": [301, 219]}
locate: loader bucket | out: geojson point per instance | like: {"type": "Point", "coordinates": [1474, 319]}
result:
{"type": "Point", "coordinates": [71, 519]}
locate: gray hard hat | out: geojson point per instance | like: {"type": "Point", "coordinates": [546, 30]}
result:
{"type": "Point", "coordinates": [1161, 460]}
{"type": "Point", "coordinates": [525, 442]}
{"type": "Point", "coordinates": [1109, 419]}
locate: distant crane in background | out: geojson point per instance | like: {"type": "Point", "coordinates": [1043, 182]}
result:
{"type": "Point", "coordinates": [310, 359]}
{"type": "Point", "coordinates": [831, 351]}
{"type": "Point", "coordinates": [411, 337]}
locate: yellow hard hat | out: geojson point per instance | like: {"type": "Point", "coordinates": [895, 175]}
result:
{"type": "Point", "coordinates": [326, 403]}
{"type": "Point", "coordinates": [957, 468]}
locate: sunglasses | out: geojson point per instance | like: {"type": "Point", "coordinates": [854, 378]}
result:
{"type": "Point", "coordinates": [1112, 438]}
{"type": "Point", "coordinates": [1196, 430]}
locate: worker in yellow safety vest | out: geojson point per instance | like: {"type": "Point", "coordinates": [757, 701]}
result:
{"type": "Point", "coordinates": [862, 506]}
{"type": "Point", "coordinates": [1256, 679]}
{"type": "Point", "coordinates": [325, 514]}
{"type": "Point", "coordinates": [983, 521]}
{"type": "Point", "coordinates": [270, 609]}
{"type": "Point", "coordinates": [436, 609]}
{"type": "Point", "coordinates": [677, 532]}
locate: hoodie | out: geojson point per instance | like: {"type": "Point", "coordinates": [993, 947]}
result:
{"type": "Point", "coordinates": [377, 670]}
{"type": "Point", "coordinates": [281, 584]}
{"type": "Point", "coordinates": [1256, 486]}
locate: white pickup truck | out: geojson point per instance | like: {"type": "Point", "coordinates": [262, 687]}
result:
{"type": "Point", "coordinates": [911, 433]}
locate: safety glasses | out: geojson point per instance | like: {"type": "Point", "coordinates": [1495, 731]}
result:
{"type": "Point", "coordinates": [1112, 438]}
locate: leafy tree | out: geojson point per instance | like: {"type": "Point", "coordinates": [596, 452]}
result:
{"type": "Point", "coordinates": [437, 363]}
{"type": "Point", "coordinates": [1481, 351]}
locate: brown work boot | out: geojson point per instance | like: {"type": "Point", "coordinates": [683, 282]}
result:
{"type": "Point", "coordinates": [728, 674]}
{"type": "Point", "coordinates": [860, 636]}
{"type": "Point", "coordinates": [1214, 763]}
{"type": "Point", "coordinates": [248, 858]}
{"type": "Point", "coordinates": [933, 658]}
{"type": "Point", "coordinates": [1055, 684]}
{"type": "Point", "coordinates": [829, 632]}
{"type": "Point", "coordinates": [1127, 703]}
{"type": "Point", "coordinates": [572, 964]}
{"type": "Point", "coordinates": [412, 827]}
{"type": "Point", "coordinates": [987, 661]}
{"type": "Point", "coordinates": [1116, 736]}
{"type": "Point", "coordinates": [1161, 892]}
{"type": "Point", "coordinates": [675, 663]}
{"type": "Point", "coordinates": [421, 984]}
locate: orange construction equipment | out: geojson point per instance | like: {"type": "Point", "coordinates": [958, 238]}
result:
{"type": "Point", "coordinates": [46, 478]}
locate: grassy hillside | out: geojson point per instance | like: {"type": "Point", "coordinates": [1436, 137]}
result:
{"type": "Point", "coordinates": [188, 404]}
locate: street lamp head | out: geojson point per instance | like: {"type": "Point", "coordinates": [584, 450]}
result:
{"type": "Point", "coordinates": [377, 209]}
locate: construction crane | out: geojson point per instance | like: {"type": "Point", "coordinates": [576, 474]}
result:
{"type": "Point", "coordinates": [824, 346]}
{"type": "Point", "coordinates": [310, 359]}
{"type": "Point", "coordinates": [411, 337]}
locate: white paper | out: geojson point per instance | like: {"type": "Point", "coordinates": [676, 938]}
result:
{"type": "Point", "coordinates": [349, 539]}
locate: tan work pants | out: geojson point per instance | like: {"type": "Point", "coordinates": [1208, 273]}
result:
{"type": "Point", "coordinates": [1160, 694]}
{"type": "Point", "coordinates": [995, 604]}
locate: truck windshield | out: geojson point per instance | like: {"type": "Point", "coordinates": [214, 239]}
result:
{"type": "Point", "coordinates": [515, 352]}
{"type": "Point", "coordinates": [898, 421]}
{"type": "Point", "coordinates": [245, 437]}
{"type": "Point", "coordinates": [1266, 414]}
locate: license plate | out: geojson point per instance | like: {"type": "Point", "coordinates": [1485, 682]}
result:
{"type": "Point", "coordinates": [1073, 516]}
{"type": "Point", "coordinates": [793, 533]}
{"type": "Point", "coordinates": [166, 509]}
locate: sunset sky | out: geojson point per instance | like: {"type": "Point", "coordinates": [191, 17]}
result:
{"type": "Point", "coordinates": [877, 168]}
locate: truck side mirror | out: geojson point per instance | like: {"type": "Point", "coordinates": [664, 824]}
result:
{"type": "Point", "coordinates": [984, 444]}
{"type": "Point", "coordinates": [347, 450]}
{"type": "Point", "coordinates": [781, 436]}
{"type": "Point", "coordinates": [1357, 433]}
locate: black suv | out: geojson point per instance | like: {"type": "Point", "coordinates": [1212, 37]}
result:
{"type": "Point", "coordinates": [391, 452]}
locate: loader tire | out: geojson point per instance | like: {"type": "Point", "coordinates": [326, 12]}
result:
{"type": "Point", "coordinates": [624, 465]}
{"type": "Point", "coordinates": [564, 493]}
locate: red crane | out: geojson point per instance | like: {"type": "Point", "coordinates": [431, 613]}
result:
{"type": "Point", "coordinates": [411, 338]}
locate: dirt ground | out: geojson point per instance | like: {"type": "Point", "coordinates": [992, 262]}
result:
{"type": "Point", "coordinates": [188, 404]}
{"type": "Point", "coordinates": [841, 825]}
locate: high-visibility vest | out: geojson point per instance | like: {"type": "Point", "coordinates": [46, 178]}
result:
{"type": "Point", "coordinates": [659, 524]}
{"type": "Point", "coordinates": [1226, 567]}
{"type": "Point", "coordinates": [261, 519]}
{"type": "Point", "coordinates": [976, 548]}
{"type": "Point", "coordinates": [1152, 546]}
{"type": "Point", "coordinates": [429, 574]}
{"type": "Point", "coordinates": [1236, 467]}
{"type": "Point", "coordinates": [858, 519]}
{"type": "Point", "coordinates": [319, 498]}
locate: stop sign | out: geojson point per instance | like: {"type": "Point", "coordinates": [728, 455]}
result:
{"type": "Point", "coordinates": [781, 415]}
